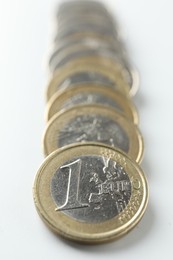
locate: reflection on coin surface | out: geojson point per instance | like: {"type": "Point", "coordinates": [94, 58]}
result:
{"type": "Point", "coordinates": [89, 93]}
{"type": "Point", "coordinates": [90, 193]}
{"type": "Point", "coordinates": [95, 123]}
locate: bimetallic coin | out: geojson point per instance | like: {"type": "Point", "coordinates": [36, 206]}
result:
{"type": "Point", "coordinates": [91, 94]}
{"type": "Point", "coordinates": [69, 56]}
{"type": "Point", "coordinates": [128, 75]}
{"type": "Point", "coordinates": [90, 193]}
{"type": "Point", "coordinates": [86, 42]}
{"type": "Point", "coordinates": [64, 60]}
{"type": "Point", "coordinates": [86, 48]}
{"type": "Point", "coordinates": [85, 72]}
{"type": "Point", "coordinates": [87, 123]}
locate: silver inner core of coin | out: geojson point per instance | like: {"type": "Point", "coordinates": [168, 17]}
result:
{"type": "Point", "coordinates": [86, 77]}
{"type": "Point", "coordinates": [91, 188]}
{"type": "Point", "coordinates": [91, 98]}
{"type": "Point", "coordinates": [95, 128]}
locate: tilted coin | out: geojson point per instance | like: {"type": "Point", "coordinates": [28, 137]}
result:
{"type": "Point", "coordinates": [129, 76]}
{"type": "Point", "coordinates": [56, 49]}
{"type": "Point", "coordinates": [85, 72]}
{"type": "Point", "coordinates": [85, 123]}
{"type": "Point", "coordinates": [85, 48]}
{"type": "Point", "coordinates": [90, 193]}
{"type": "Point", "coordinates": [64, 60]}
{"type": "Point", "coordinates": [91, 94]}
{"type": "Point", "coordinates": [69, 56]}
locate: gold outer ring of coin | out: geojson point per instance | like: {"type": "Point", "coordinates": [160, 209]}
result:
{"type": "Point", "coordinates": [85, 65]}
{"type": "Point", "coordinates": [59, 120]}
{"type": "Point", "coordinates": [84, 232]}
{"type": "Point", "coordinates": [56, 102]}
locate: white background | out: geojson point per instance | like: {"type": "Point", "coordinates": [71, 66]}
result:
{"type": "Point", "coordinates": [25, 34]}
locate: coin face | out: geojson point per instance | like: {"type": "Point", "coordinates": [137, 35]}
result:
{"type": "Point", "coordinates": [91, 94]}
{"type": "Point", "coordinates": [90, 193]}
{"type": "Point", "coordinates": [97, 174]}
{"type": "Point", "coordinates": [88, 71]}
{"type": "Point", "coordinates": [93, 123]}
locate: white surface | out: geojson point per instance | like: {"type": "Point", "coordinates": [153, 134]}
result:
{"type": "Point", "coordinates": [25, 27]}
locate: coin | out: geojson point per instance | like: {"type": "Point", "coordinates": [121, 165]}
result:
{"type": "Point", "coordinates": [129, 76]}
{"type": "Point", "coordinates": [79, 49]}
{"type": "Point", "coordinates": [91, 94]}
{"type": "Point", "coordinates": [90, 193]}
{"type": "Point", "coordinates": [88, 42]}
{"type": "Point", "coordinates": [85, 123]}
{"type": "Point", "coordinates": [75, 54]}
{"type": "Point", "coordinates": [81, 72]}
